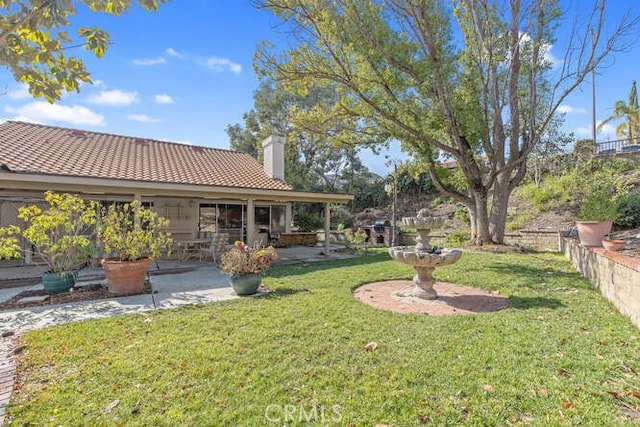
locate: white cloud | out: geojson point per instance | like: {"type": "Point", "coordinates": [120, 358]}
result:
{"type": "Point", "coordinates": [19, 92]}
{"type": "Point", "coordinates": [607, 132]}
{"type": "Point", "coordinates": [545, 50]}
{"type": "Point", "coordinates": [149, 61]}
{"type": "Point", "coordinates": [163, 98]}
{"type": "Point", "coordinates": [583, 131]}
{"type": "Point", "coordinates": [223, 64]}
{"type": "Point", "coordinates": [214, 63]}
{"type": "Point", "coordinates": [43, 112]}
{"type": "Point", "coordinates": [172, 52]}
{"type": "Point", "coordinates": [549, 57]}
{"type": "Point", "coordinates": [114, 97]}
{"type": "Point", "coordinates": [569, 109]}
{"type": "Point", "coordinates": [142, 118]}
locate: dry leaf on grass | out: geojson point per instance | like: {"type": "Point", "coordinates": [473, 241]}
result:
{"type": "Point", "coordinates": [111, 405]}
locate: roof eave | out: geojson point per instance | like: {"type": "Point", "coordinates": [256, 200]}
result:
{"type": "Point", "coordinates": [90, 185]}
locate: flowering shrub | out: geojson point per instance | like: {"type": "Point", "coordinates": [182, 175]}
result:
{"type": "Point", "coordinates": [60, 234]}
{"type": "Point", "coordinates": [245, 259]}
{"type": "Point", "coordinates": [132, 231]}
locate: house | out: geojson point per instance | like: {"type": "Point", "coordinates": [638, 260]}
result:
{"type": "Point", "coordinates": [201, 190]}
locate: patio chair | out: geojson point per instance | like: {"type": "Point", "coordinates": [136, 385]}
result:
{"type": "Point", "coordinates": [219, 244]}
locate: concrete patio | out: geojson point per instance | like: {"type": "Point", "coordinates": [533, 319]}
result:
{"type": "Point", "coordinates": [174, 283]}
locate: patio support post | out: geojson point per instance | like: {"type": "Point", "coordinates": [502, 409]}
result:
{"type": "Point", "coordinates": [251, 222]}
{"type": "Point", "coordinates": [289, 216]}
{"type": "Point", "coordinates": [327, 229]}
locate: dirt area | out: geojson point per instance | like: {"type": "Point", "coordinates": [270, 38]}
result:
{"type": "Point", "coordinates": [93, 291]}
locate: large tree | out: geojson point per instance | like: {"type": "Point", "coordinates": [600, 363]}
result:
{"type": "Point", "coordinates": [313, 160]}
{"type": "Point", "coordinates": [35, 44]}
{"type": "Point", "coordinates": [467, 80]}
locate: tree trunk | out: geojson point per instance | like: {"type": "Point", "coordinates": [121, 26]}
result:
{"type": "Point", "coordinates": [499, 208]}
{"type": "Point", "coordinates": [479, 218]}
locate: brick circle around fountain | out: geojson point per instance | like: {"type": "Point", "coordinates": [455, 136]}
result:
{"type": "Point", "coordinates": [395, 295]}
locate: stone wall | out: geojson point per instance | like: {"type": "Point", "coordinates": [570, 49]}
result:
{"type": "Point", "coordinates": [539, 240]}
{"type": "Point", "coordinates": [409, 239]}
{"type": "Point", "coordinates": [616, 275]}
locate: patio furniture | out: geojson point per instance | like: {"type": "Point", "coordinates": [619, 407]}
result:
{"type": "Point", "coordinates": [297, 239]}
{"type": "Point", "coordinates": [219, 244]}
{"type": "Point", "coordinates": [188, 249]}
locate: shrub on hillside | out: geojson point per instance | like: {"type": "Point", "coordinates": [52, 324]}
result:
{"type": "Point", "coordinates": [553, 191]}
{"type": "Point", "coordinates": [629, 211]}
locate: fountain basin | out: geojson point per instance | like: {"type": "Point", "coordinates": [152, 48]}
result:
{"type": "Point", "coordinates": [423, 222]}
{"type": "Point", "coordinates": [415, 258]}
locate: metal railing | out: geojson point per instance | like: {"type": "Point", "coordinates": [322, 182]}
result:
{"type": "Point", "coordinates": [618, 146]}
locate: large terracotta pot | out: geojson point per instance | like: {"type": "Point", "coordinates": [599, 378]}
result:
{"type": "Point", "coordinates": [245, 284]}
{"type": "Point", "coordinates": [125, 277]}
{"type": "Point", "coordinates": [592, 233]}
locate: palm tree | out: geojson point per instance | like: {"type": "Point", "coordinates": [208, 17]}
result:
{"type": "Point", "coordinates": [631, 113]}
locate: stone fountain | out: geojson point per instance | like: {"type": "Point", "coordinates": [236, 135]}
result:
{"type": "Point", "coordinates": [423, 257]}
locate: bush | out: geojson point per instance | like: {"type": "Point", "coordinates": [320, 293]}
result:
{"type": "Point", "coordinates": [308, 223]}
{"type": "Point", "coordinates": [462, 214]}
{"type": "Point", "coordinates": [552, 192]}
{"type": "Point", "coordinates": [629, 211]}
{"type": "Point", "coordinates": [356, 239]}
{"type": "Point", "coordinates": [340, 217]}
{"type": "Point", "coordinates": [457, 238]}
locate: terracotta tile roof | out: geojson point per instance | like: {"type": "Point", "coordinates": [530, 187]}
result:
{"type": "Point", "coordinates": [28, 147]}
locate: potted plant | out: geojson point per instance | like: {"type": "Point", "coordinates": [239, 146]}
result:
{"type": "Point", "coordinates": [612, 244]}
{"type": "Point", "coordinates": [598, 210]}
{"type": "Point", "coordinates": [245, 264]}
{"type": "Point", "coordinates": [132, 236]}
{"type": "Point", "coordinates": [58, 235]}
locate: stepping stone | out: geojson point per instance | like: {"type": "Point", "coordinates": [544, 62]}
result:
{"type": "Point", "coordinates": [40, 298]}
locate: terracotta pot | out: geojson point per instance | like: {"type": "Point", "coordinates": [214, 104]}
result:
{"type": "Point", "coordinates": [592, 233]}
{"type": "Point", "coordinates": [612, 244]}
{"type": "Point", "coordinates": [125, 277]}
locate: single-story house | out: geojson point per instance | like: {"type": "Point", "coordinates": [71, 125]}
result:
{"type": "Point", "coordinates": [201, 190]}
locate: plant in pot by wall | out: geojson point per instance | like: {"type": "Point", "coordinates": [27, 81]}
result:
{"type": "Point", "coordinates": [598, 210]}
{"type": "Point", "coordinates": [59, 235]}
{"type": "Point", "coordinates": [133, 236]}
{"type": "Point", "coordinates": [245, 264]}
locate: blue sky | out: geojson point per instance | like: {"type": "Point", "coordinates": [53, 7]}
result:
{"type": "Point", "coordinates": [185, 73]}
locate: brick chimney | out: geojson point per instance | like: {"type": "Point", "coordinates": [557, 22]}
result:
{"type": "Point", "coordinates": [273, 147]}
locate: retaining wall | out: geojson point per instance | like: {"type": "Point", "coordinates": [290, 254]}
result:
{"type": "Point", "coordinates": [616, 275]}
{"type": "Point", "coordinates": [539, 240]}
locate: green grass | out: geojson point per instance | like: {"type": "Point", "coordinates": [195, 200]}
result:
{"type": "Point", "coordinates": [297, 357]}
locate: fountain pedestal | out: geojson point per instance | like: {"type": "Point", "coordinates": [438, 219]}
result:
{"type": "Point", "coordinates": [423, 257]}
{"type": "Point", "coordinates": [424, 282]}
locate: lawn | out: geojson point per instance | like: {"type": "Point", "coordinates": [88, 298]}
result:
{"type": "Point", "coordinates": [561, 355]}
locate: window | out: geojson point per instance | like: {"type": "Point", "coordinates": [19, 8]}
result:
{"type": "Point", "coordinates": [222, 218]}
{"type": "Point", "coordinates": [270, 219]}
